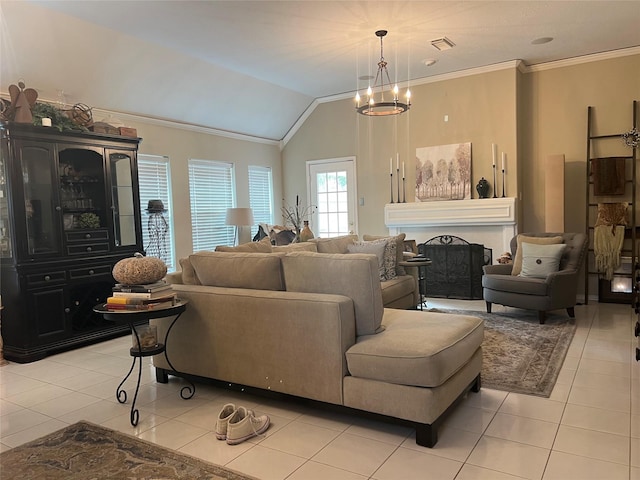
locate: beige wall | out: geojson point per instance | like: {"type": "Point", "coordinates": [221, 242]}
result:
{"type": "Point", "coordinates": [181, 145]}
{"type": "Point", "coordinates": [481, 109]}
{"type": "Point", "coordinates": [529, 115]}
{"type": "Point", "coordinates": [555, 105]}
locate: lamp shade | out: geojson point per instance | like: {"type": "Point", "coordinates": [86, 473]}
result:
{"type": "Point", "coordinates": [239, 216]}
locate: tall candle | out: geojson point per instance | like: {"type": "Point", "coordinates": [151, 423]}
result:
{"type": "Point", "coordinates": [494, 153]}
{"type": "Point", "coordinates": [504, 158]}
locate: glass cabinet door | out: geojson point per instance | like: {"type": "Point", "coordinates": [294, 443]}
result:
{"type": "Point", "coordinates": [41, 209]}
{"type": "Point", "coordinates": [123, 199]}
{"type": "Point", "coordinates": [82, 188]}
{"type": "Point", "coordinates": [5, 221]}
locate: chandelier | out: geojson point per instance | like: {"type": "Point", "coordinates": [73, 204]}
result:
{"type": "Point", "coordinates": [380, 107]}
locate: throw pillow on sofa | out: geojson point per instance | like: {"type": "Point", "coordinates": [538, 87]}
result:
{"type": "Point", "coordinates": [377, 248]}
{"type": "Point", "coordinates": [334, 244]}
{"type": "Point", "coordinates": [399, 239]}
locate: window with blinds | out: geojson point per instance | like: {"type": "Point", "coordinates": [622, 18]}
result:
{"type": "Point", "coordinates": [211, 193]}
{"type": "Point", "coordinates": [154, 179]}
{"type": "Point", "coordinates": [260, 196]}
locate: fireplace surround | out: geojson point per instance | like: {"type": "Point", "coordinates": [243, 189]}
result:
{"type": "Point", "coordinates": [487, 221]}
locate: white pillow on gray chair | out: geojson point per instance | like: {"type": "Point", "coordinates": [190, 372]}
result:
{"type": "Point", "coordinates": [539, 261]}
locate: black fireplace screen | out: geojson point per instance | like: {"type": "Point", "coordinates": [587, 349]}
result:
{"type": "Point", "coordinates": [456, 269]}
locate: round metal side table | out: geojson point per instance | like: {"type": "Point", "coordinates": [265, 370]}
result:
{"type": "Point", "coordinates": [133, 317]}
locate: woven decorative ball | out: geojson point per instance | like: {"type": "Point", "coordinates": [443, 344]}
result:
{"type": "Point", "coordinates": [81, 114]}
{"type": "Point", "coordinates": [139, 270]}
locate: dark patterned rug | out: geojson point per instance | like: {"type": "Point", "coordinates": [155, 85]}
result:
{"type": "Point", "coordinates": [85, 451]}
{"type": "Point", "coordinates": [520, 355]}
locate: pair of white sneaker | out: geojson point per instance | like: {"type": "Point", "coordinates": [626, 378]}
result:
{"type": "Point", "coordinates": [237, 424]}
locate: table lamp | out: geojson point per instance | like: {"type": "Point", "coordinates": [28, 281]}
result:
{"type": "Point", "coordinates": [239, 217]}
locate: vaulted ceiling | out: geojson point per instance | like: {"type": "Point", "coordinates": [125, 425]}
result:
{"type": "Point", "coordinates": [254, 67]}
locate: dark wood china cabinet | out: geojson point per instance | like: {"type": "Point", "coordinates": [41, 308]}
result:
{"type": "Point", "coordinates": [69, 210]}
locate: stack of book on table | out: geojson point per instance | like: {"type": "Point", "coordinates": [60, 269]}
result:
{"type": "Point", "coordinates": [141, 297]}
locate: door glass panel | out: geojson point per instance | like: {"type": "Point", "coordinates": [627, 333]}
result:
{"type": "Point", "coordinates": [82, 191]}
{"type": "Point", "coordinates": [40, 212]}
{"type": "Point", "coordinates": [124, 219]}
{"type": "Point", "coordinates": [5, 223]}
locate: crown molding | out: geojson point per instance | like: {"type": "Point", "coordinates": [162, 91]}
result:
{"type": "Point", "coordinates": [186, 126]}
{"type": "Point", "coordinates": [161, 122]}
{"type": "Point", "coordinates": [299, 122]}
{"type": "Point", "coordinates": [594, 57]}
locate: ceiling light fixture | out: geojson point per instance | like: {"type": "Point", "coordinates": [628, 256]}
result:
{"type": "Point", "coordinates": [541, 40]}
{"type": "Point", "coordinates": [378, 108]}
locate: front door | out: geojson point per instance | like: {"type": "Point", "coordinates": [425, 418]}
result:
{"type": "Point", "coordinates": [332, 189]}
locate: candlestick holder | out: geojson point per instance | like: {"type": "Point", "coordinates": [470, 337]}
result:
{"type": "Point", "coordinates": [495, 182]}
{"type": "Point", "coordinates": [391, 185]}
{"type": "Point", "coordinates": [404, 190]}
{"type": "Point", "coordinates": [503, 183]}
{"type": "Point", "coordinates": [398, 173]}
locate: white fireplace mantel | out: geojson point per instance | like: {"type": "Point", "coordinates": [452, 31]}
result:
{"type": "Point", "coordinates": [488, 221]}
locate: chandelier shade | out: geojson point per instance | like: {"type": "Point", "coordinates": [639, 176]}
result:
{"type": "Point", "coordinates": [376, 105]}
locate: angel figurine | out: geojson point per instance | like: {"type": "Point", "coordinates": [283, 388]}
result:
{"type": "Point", "coordinates": [22, 100]}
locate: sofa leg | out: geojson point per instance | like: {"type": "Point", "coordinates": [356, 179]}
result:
{"type": "Point", "coordinates": [542, 317]}
{"type": "Point", "coordinates": [477, 385]}
{"type": "Point", "coordinates": [161, 375]}
{"type": "Point", "coordinates": [426, 435]}
{"type": "Point", "coordinates": [488, 307]}
{"type": "Point", "coordinates": [571, 311]}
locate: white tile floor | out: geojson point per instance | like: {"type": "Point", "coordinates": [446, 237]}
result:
{"type": "Point", "coordinates": [588, 429]}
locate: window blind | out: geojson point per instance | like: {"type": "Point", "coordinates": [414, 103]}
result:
{"type": "Point", "coordinates": [154, 179]}
{"type": "Point", "coordinates": [260, 196]}
{"type": "Point", "coordinates": [211, 193]}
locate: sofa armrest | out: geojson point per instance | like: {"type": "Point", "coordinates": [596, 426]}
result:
{"type": "Point", "coordinates": [174, 278]}
{"type": "Point", "coordinates": [500, 269]}
{"type": "Point", "coordinates": [563, 284]}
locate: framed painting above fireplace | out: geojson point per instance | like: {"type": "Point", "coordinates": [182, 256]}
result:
{"type": "Point", "coordinates": [443, 172]}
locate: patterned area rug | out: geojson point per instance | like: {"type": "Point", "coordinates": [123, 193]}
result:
{"type": "Point", "coordinates": [86, 451]}
{"type": "Point", "coordinates": [520, 355]}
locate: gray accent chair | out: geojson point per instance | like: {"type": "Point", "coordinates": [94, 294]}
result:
{"type": "Point", "coordinates": [555, 292]}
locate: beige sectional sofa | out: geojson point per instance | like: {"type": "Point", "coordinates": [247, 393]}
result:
{"type": "Point", "coordinates": [313, 325]}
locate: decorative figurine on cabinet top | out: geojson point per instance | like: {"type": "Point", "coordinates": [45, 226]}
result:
{"type": "Point", "coordinates": [22, 101]}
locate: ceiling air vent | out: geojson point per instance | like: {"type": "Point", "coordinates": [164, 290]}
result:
{"type": "Point", "coordinates": [443, 43]}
